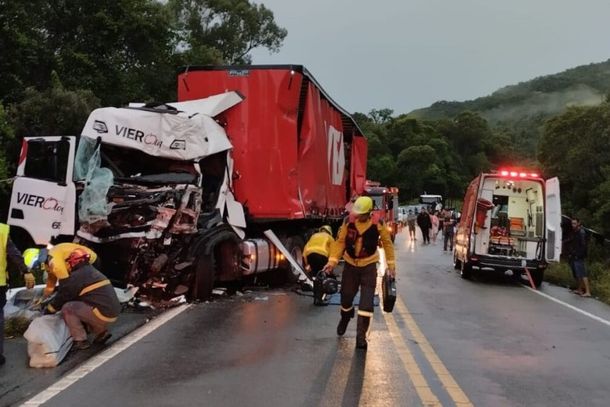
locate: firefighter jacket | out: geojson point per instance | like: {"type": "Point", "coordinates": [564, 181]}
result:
{"type": "Point", "coordinates": [357, 243]}
{"type": "Point", "coordinates": [58, 269]}
{"type": "Point", "coordinates": [9, 256]}
{"type": "Point", "coordinates": [90, 286]}
{"type": "Point", "coordinates": [319, 243]}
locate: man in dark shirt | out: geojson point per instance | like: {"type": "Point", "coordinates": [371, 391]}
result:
{"type": "Point", "coordinates": [577, 254]}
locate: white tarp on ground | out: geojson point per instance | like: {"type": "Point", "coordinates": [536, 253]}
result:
{"type": "Point", "coordinates": [49, 340]}
{"type": "Point", "coordinates": [188, 135]}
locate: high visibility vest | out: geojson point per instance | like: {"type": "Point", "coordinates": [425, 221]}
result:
{"type": "Point", "coordinates": [4, 229]}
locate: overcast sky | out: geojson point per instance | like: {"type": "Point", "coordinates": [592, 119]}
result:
{"type": "Point", "coordinates": [406, 54]}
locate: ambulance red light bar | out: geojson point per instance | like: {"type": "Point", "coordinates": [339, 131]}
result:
{"type": "Point", "coordinates": [518, 174]}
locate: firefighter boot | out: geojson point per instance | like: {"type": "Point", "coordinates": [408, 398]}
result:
{"type": "Point", "coordinates": [345, 317]}
{"type": "Point", "coordinates": [362, 330]}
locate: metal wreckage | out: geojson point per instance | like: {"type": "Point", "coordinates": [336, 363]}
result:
{"type": "Point", "coordinates": [176, 197]}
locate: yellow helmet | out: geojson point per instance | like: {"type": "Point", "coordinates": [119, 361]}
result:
{"type": "Point", "coordinates": [363, 205]}
{"type": "Point", "coordinates": [327, 229]}
{"type": "Point", "coordinates": [35, 258]}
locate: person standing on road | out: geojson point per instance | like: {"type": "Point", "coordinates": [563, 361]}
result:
{"type": "Point", "coordinates": [448, 230]}
{"type": "Point", "coordinates": [317, 250]}
{"type": "Point", "coordinates": [357, 242]}
{"type": "Point", "coordinates": [424, 223]}
{"type": "Point", "coordinates": [86, 296]}
{"type": "Point", "coordinates": [411, 219]}
{"type": "Point", "coordinates": [577, 255]}
{"type": "Point", "coordinates": [10, 257]}
{"type": "Point", "coordinates": [434, 228]}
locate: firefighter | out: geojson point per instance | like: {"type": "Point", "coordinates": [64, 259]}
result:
{"type": "Point", "coordinates": [357, 242]}
{"type": "Point", "coordinates": [85, 296]}
{"type": "Point", "coordinates": [10, 257]}
{"type": "Point", "coordinates": [53, 261]}
{"type": "Point", "coordinates": [317, 249]}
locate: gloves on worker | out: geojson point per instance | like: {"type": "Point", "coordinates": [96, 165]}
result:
{"type": "Point", "coordinates": [29, 280]}
{"type": "Point", "coordinates": [391, 270]}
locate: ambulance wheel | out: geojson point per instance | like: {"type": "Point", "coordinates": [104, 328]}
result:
{"type": "Point", "coordinates": [465, 270]}
{"type": "Point", "coordinates": [203, 283]}
{"type": "Point", "coordinates": [295, 246]}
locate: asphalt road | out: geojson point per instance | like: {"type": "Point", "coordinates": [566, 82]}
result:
{"type": "Point", "coordinates": [488, 342]}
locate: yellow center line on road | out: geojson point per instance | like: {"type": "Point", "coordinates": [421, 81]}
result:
{"type": "Point", "coordinates": [417, 378]}
{"type": "Point", "coordinates": [453, 389]}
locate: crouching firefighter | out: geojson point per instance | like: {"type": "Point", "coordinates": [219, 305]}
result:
{"type": "Point", "coordinates": [85, 297]}
{"type": "Point", "coordinates": [357, 242]}
{"type": "Point", "coordinates": [315, 257]}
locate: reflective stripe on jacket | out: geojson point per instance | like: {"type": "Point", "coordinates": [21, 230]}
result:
{"type": "Point", "coordinates": [338, 248]}
{"type": "Point", "coordinates": [90, 286]}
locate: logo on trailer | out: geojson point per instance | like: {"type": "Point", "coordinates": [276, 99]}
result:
{"type": "Point", "coordinates": [335, 155]}
{"type": "Point", "coordinates": [36, 201]}
{"type": "Point", "coordinates": [100, 126]}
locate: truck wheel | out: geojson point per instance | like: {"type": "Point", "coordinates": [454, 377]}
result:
{"type": "Point", "coordinates": [204, 278]}
{"type": "Point", "coordinates": [295, 246]}
{"type": "Point", "coordinates": [465, 270]}
{"type": "Point", "coordinates": [537, 276]}
{"type": "Point", "coordinates": [229, 256]}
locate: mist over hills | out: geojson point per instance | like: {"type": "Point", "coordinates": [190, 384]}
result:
{"type": "Point", "coordinates": [521, 110]}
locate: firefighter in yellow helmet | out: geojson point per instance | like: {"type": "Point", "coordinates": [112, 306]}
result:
{"type": "Point", "coordinates": [85, 297]}
{"type": "Point", "coordinates": [10, 258]}
{"type": "Point", "coordinates": [357, 242]}
{"type": "Point", "coordinates": [53, 261]}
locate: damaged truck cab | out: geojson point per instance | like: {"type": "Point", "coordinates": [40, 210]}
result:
{"type": "Point", "coordinates": [175, 197]}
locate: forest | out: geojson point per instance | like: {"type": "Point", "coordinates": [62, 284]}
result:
{"type": "Point", "coordinates": [62, 59]}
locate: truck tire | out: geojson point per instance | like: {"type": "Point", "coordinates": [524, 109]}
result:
{"type": "Point", "coordinates": [537, 277]}
{"type": "Point", "coordinates": [465, 270]}
{"type": "Point", "coordinates": [203, 283]}
{"type": "Point", "coordinates": [295, 246]}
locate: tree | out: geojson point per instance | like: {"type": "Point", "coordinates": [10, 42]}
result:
{"type": "Point", "coordinates": [224, 30]}
{"type": "Point", "coordinates": [575, 146]}
{"type": "Point", "coordinates": [381, 116]}
{"type": "Point", "coordinates": [53, 112]}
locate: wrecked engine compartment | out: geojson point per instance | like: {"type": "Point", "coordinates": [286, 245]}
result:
{"type": "Point", "coordinates": [143, 229]}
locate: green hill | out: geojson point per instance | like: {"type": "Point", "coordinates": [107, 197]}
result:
{"type": "Point", "coordinates": [522, 109]}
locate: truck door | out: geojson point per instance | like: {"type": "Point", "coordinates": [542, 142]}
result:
{"type": "Point", "coordinates": [553, 220]}
{"type": "Point", "coordinates": [43, 200]}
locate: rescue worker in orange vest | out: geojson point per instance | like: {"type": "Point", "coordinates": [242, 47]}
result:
{"type": "Point", "coordinates": [10, 257]}
{"type": "Point", "coordinates": [85, 296]}
{"type": "Point", "coordinates": [53, 261]}
{"type": "Point", "coordinates": [357, 242]}
{"type": "Point", "coordinates": [317, 250]}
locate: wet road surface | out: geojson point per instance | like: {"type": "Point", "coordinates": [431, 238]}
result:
{"type": "Point", "coordinates": [450, 342]}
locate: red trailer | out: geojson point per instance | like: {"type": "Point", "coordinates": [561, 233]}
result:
{"type": "Point", "coordinates": [297, 153]}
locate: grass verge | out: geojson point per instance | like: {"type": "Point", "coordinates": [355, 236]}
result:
{"type": "Point", "coordinates": [599, 278]}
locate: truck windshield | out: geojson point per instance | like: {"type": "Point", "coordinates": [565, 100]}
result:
{"type": "Point", "coordinates": [134, 165]}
